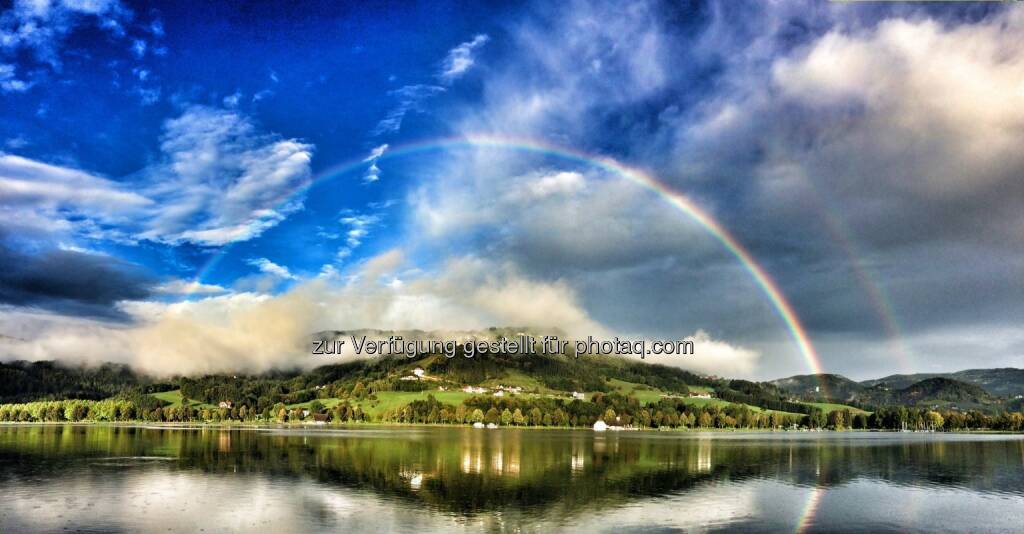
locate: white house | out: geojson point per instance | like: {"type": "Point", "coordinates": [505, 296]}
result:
{"type": "Point", "coordinates": [418, 372]}
{"type": "Point", "coordinates": [578, 395]}
{"type": "Point", "coordinates": [499, 393]}
{"type": "Point", "coordinates": [616, 424]}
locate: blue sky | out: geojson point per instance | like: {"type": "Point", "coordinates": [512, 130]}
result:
{"type": "Point", "coordinates": [864, 154]}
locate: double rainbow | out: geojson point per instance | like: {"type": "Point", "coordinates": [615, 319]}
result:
{"type": "Point", "coordinates": [674, 198]}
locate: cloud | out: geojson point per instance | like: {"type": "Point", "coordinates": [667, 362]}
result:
{"type": "Point", "coordinates": [48, 201]}
{"type": "Point", "coordinates": [712, 356]}
{"type": "Point", "coordinates": [410, 98]}
{"type": "Point", "coordinates": [461, 58]}
{"type": "Point", "coordinates": [189, 287]}
{"type": "Point", "coordinates": [373, 173]}
{"type": "Point", "coordinates": [559, 183]}
{"type": "Point", "coordinates": [70, 282]}
{"type": "Point", "coordinates": [222, 180]}
{"type": "Point", "coordinates": [357, 226]}
{"type": "Point", "coordinates": [9, 82]}
{"type": "Point", "coordinates": [272, 268]}
{"type": "Point", "coordinates": [863, 156]}
{"type": "Point", "coordinates": [41, 27]}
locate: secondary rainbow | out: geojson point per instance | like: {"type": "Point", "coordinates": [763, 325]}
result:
{"type": "Point", "coordinates": [676, 199]}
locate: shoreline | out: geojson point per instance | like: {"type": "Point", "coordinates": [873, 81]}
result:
{"type": "Point", "coordinates": [377, 425]}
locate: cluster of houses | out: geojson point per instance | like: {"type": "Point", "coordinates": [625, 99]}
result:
{"type": "Point", "coordinates": [501, 390]}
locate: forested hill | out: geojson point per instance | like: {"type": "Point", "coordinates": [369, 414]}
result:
{"type": "Point", "coordinates": [543, 376]}
{"type": "Point", "coordinates": [46, 380]}
{"type": "Point", "coordinates": [1003, 382]}
{"type": "Point", "coordinates": [936, 391]}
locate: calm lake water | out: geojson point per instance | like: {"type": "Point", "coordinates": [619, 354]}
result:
{"type": "Point", "coordinates": [123, 478]}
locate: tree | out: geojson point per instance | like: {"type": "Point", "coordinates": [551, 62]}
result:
{"type": "Point", "coordinates": [837, 419]}
{"type": "Point", "coordinates": [818, 419]}
{"type": "Point", "coordinates": [935, 420]}
{"type": "Point", "coordinates": [536, 418]}
{"type": "Point", "coordinates": [316, 407]}
{"type": "Point", "coordinates": [478, 416]}
{"type": "Point", "coordinates": [506, 416]}
{"type": "Point", "coordinates": [609, 416]}
{"type": "Point", "coordinates": [517, 417]}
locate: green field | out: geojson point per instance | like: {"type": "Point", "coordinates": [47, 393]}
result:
{"type": "Point", "coordinates": [829, 407]}
{"type": "Point", "coordinates": [174, 398]}
{"type": "Point", "coordinates": [328, 403]}
{"type": "Point", "coordinates": [643, 393]}
{"type": "Point", "coordinates": [722, 404]}
{"type": "Point", "coordinates": [516, 378]}
{"type": "Point", "coordinates": [647, 395]}
{"type": "Point", "coordinates": [394, 399]}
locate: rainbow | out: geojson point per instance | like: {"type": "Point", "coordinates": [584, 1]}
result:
{"type": "Point", "coordinates": [681, 202]}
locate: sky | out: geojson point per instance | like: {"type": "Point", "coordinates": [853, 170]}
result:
{"type": "Point", "coordinates": [197, 187]}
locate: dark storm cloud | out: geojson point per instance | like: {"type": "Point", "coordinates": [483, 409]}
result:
{"type": "Point", "coordinates": [70, 282]}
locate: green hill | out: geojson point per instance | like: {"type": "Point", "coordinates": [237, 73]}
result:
{"type": "Point", "coordinates": [822, 387]}
{"type": "Point", "coordinates": [1004, 382]}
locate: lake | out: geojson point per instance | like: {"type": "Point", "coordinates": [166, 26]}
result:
{"type": "Point", "coordinates": [136, 478]}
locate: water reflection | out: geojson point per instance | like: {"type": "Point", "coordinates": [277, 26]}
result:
{"type": "Point", "coordinates": [139, 478]}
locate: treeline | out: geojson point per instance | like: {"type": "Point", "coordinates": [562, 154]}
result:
{"type": "Point", "coordinates": [613, 409]}
{"type": "Point", "coordinates": [46, 380]}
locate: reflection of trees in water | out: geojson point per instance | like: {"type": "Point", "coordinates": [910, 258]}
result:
{"type": "Point", "coordinates": [468, 471]}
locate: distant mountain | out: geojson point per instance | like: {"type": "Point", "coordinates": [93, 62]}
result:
{"type": "Point", "coordinates": [939, 390]}
{"type": "Point", "coordinates": [931, 390]}
{"type": "Point", "coordinates": [1003, 382]}
{"type": "Point", "coordinates": [823, 386]}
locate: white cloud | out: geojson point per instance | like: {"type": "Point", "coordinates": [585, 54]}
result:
{"type": "Point", "coordinates": [559, 183]}
{"type": "Point", "coordinates": [358, 227]}
{"type": "Point", "coordinates": [410, 98]}
{"type": "Point", "coordinates": [272, 268]}
{"type": "Point", "coordinates": [461, 58]}
{"type": "Point", "coordinates": [42, 199]}
{"type": "Point", "coordinates": [711, 356]}
{"type": "Point", "coordinates": [376, 153]}
{"type": "Point", "coordinates": [189, 287]}
{"type": "Point", "coordinates": [222, 179]}
{"type": "Point", "coordinates": [42, 26]}
{"type": "Point", "coordinates": [373, 173]}
{"type": "Point", "coordinates": [138, 48]}
{"type": "Point", "coordinates": [9, 82]}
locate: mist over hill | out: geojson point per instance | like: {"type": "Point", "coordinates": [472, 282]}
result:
{"type": "Point", "coordinates": [989, 390]}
